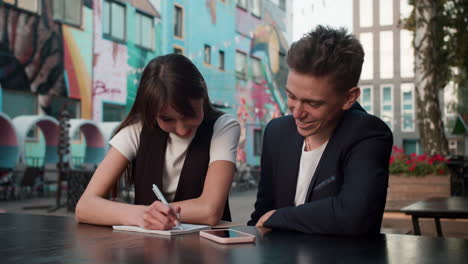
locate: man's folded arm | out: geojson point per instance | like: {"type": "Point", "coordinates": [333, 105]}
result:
{"type": "Point", "coordinates": [359, 205]}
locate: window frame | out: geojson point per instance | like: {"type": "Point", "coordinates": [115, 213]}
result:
{"type": "Point", "coordinates": [139, 43]}
{"type": "Point", "coordinates": [175, 46]}
{"type": "Point", "coordinates": [282, 5]}
{"type": "Point", "coordinates": [62, 19]}
{"type": "Point", "coordinates": [383, 58]}
{"type": "Point", "coordinates": [114, 105]}
{"type": "Point", "coordinates": [241, 75]}
{"type": "Point", "coordinates": [15, 5]}
{"type": "Point", "coordinates": [109, 35]}
{"type": "Point", "coordinates": [392, 104]}
{"type": "Point", "coordinates": [207, 56]}
{"type": "Point", "coordinates": [257, 143]}
{"type": "Point", "coordinates": [29, 94]}
{"type": "Point", "coordinates": [383, 12]}
{"type": "Point", "coordinates": [243, 7]}
{"type": "Point", "coordinates": [221, 60]}
{"type": "Point", "coordinates": [371, 103]}
{"type": "Point", "coordinates": [254, 77]}
{"type": "Point", "coordinates": [361, 15]}
{"type": "Point", "coordinates": [182, 26]}
{"type": "Point", "coordinates": [368, 48]}
{"type": "Point", "coordinates": [404, 111]}
{"type": "Point", "coordinates": [251, 10]}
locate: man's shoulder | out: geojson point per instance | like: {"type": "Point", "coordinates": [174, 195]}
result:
{"type": "Point", "coordinates": [359, 118]}
{"type": "Point", "coordinates": [279, 124]}
{"type": "Point", "coordinates": [358, 125]}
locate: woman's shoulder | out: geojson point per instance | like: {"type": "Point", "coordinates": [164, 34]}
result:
{"type": "Point", "coordinates": [133, 129]}
{"type": "Point", "coordinates": [225, 121]}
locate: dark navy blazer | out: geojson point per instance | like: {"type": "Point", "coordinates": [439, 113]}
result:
{"type": "Point", "coordinates": [348, 190]}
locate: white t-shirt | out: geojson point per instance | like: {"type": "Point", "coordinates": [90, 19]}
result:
{"type": "Point", "coordinates": [226, 132]}
{"type": "Point", "coordinates": [307, 167]}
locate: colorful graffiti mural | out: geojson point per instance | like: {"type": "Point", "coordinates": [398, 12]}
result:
{"type": "Point", "coordinates": [31, 53]}
{"type": "Point", "coordinates": [260, 96]}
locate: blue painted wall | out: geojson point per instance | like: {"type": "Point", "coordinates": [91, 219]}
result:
{"type": "Point", "coordinates": [206, 23]}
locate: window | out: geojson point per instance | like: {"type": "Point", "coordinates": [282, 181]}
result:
{"type": "Point", "coordinates": [68, 11]}
{"type": "Point", "coordinates": [366, 98]}
{"type": "Point", "coordinates": [242, 4]}
{"type": "Point", "coordinates": [405, 9]}
{"type": "Point", "coordinates": [241, 65]}
{"type": "Point", "coordinates": [144, 31]}
{"type": "Point", "coordinates": [221, 60]}
{"type": "Point", "coordinates": [257, 71]}
{"type": "Point", "coordinates": [407, 107]}
{"type": "Point", "coordinates": [386, 12]}
{"type": "Point", "coordinates": [16, 103]}
{"type": "Point", "coordinates": [365, 13]}
{"type": "Point", "coordinates": [257, 133]}
{"type": "Point", "coordinates": [412, 146]}
{"type": "Point", "coordinates": [207, 54]}
{"type": "Point", "coordinates": [386, 54]}
{"type": "Point", "coordinates": [406, 54]}
{"type": "Point", "coordinates": [28, 5]}
{"type": "Point", "coordinates": [113, 112]}
{"type": "Point", "coordinates": [256, 8]}
{"type": "Point", "coordinates": [386, 104]}
{"type": "Point", "coordinates": [113, 20]}
{"type": "Point", "coordinates": [282, 4]}
{"type": "Point", "coordinates": [178, 21]}
{"type": "Point", "coordinates": [178, 50]}
{"type": "Point", "coordinates": [57, 103]}
{"type": "Point", "coordinates": [368, 66]}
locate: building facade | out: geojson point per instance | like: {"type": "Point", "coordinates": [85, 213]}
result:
{"type": "Point", "coordinates": [387, 79]}
{"type": "Point", "coordinates": [90, 55]}
{"type": "Point", "coordinates": [86, 54]}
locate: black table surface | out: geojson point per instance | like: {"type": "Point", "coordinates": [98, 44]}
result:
{"type": "Point", "coordinates": [439, 205]}
{"type": "Point", "coordinates": [53, 239]}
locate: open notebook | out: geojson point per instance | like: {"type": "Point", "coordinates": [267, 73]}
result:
{"type": "Point", "coordinates": [186, 228]}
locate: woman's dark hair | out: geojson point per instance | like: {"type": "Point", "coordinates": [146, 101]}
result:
{"type": "Point", "coordinates": [328, 52]}
{"type": "Point", "coordinates": [167, 80]}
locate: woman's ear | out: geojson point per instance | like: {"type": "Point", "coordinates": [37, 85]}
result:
{"type": "Point", "coordinates": [351, 97]}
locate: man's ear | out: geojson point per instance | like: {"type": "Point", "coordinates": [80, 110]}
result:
{"type": "Point", "coordinates": [350, 98]}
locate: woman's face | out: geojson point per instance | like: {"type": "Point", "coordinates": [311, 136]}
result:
{"type": "Point", "coordinates": [182, 126]}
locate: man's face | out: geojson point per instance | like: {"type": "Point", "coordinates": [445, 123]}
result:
{"type": "Point", "coordinates": [314, 103]}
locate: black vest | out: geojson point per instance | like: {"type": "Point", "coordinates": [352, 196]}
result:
{"type": "Point", "coordinates": [149, 163]}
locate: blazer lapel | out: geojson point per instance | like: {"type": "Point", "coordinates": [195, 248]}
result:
{"type": "Point", "coordinates": [290, 169]}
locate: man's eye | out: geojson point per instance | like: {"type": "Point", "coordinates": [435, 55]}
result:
{"type": "Point", "coordinates": [314, 105]}
{"type": "Point", "coordinates": [166, 119]}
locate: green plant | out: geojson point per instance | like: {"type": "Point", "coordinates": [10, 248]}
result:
{"type": "Point", "coordinates": [416, 165]}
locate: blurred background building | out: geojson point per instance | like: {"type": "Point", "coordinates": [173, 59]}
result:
{"type": "Point", "coordinates": [90, 55]}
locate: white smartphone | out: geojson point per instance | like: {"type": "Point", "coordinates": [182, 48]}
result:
{"type": "Point", "coordinates": [227, 236]}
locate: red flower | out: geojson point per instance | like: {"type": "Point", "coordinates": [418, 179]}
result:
{"type": "Point", "coordinates": [441, 171]}
{"type": "Point", "coordinates": [392, 159]}
{"type": "Point", "coordinates": [408, 162]}
{"type": "Point", "coordinates": [413, 155]}
{"type": "Point", "coordinates": [412, 167]}
{"type": "Point", "coordinates": [397, 149]}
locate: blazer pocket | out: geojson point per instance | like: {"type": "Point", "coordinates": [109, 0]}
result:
{"type": "Point", "coordinates": [324, 183]}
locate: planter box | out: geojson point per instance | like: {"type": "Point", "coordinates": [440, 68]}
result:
{"type": "Point", "coordinates": [413, 188]}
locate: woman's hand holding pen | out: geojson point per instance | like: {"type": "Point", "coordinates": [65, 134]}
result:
{"type": "Point", "coordinates": [159, 216]}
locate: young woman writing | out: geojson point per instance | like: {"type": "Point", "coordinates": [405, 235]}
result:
{"type": "Point", "coordinates": [174, 138]}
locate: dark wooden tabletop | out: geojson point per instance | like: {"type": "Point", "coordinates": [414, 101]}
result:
{"type": "Point", "coordinates": [51, 239]}
{"type": "Point", "coordinates": [447, 206]}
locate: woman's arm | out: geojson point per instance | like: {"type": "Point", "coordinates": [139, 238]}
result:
{"type": "Point", "coordinates": [93, 208]}
{"type": "Point", "coordinates": [209, 207]}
